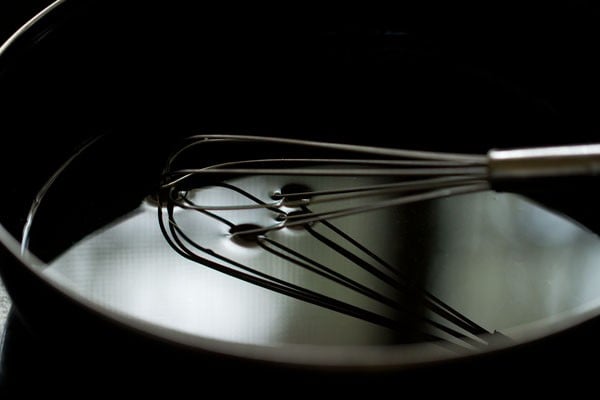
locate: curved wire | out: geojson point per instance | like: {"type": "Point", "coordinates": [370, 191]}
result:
{"type": "Point", "coordinates": [422, 176]}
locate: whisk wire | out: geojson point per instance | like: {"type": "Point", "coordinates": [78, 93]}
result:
{"type": "Point", "coordinates": [251, 275]}
{"type": "Point", "coordinates": [296, 199]}
{"type": "Point", "coordinates": [303, 218]}
{"type": "Point", "coordinates": [378, 151]}
{"type": "Point", "coordinates": [266, 281]}
{"type": "Point", "coordinates": [416, 176]}
{"type": "Point", "coordinates": [401, 284]}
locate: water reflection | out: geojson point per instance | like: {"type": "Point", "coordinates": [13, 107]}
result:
{"type": "Point", "coordinates": [506, 262]}
{"type": "Point", "coordinates": [497, 259]}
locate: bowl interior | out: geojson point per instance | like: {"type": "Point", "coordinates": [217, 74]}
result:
{"type": "Point", "coordinates": [144, 79]}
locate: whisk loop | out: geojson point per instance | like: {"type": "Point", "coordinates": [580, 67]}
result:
{"type": "Point", "coordinates": [351, 179]}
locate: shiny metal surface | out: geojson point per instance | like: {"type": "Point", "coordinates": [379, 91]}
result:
{"type": "Point", "coordinates": [576, 160]}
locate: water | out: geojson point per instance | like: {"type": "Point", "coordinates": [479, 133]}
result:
{"type": "Point", "coordinates": [472, 263]}
{"type": "Point", "coordinates": [128, 266]}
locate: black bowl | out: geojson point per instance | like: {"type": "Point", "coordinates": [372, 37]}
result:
{"type": "Point", "coordinates": [146, 75]}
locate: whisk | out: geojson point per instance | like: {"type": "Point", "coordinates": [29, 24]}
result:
{"type": "Point", "coordinates": [395, 177]}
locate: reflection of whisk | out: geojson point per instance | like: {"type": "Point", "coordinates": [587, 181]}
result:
{"type": "Point", "coordinates": [337, 180]}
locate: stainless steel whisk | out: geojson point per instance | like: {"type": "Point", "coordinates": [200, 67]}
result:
{"type": "Point", "coordinates": [402, 177]}
{"type": "Point", "coordinates": [419, 175]}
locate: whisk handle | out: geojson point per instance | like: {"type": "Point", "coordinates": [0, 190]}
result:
{"type": "Point", "coordinates": [560, 178]}
{"type": "Point", "coordinates": [544, 162]}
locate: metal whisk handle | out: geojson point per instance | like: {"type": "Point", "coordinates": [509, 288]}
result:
{"type": "Point", "coordinates": [544, 162]}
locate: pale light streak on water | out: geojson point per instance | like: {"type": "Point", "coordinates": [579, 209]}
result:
{"type": "Point", "coordinates": [496, 258]}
